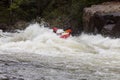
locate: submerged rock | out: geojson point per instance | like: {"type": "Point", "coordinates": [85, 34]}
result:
{"type": "Point", "coordinates": [103, 19]}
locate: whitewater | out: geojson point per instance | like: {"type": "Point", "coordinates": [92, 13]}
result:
{"type": "Point", "coordinates": [84, 57]}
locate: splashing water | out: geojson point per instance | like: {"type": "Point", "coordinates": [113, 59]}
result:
{"type": "Point", "coordinates": [86, 57]}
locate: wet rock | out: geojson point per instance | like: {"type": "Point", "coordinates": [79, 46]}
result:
{"type": "Point", "coordinates": [103, 19]}
{"type": "Point", "coordinates": [3, 26]}
{"type": "Point", "coordinates": [112, 25]}
{"type": "Point", "coordinates": [12, 27]}
{"type": "Point", "coordinates": [18, 25]}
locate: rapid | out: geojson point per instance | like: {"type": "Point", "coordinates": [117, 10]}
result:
{"type": "Point", "coordinates": [85, 57]}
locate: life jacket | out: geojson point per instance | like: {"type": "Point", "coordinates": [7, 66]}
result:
{"type": "Point", "coordinates": [66, 34]}
{"type": "Point", "coordinates": [63, 34]}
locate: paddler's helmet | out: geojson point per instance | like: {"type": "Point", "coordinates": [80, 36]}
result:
{"type": "Point", "coordinates": [55, 29]}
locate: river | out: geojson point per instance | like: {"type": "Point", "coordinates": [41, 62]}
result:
{"type": "Point", "coordinates": [37, 53]}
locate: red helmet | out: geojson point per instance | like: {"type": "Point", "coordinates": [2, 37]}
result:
{"type": "Point", "coordinates": [55, 29]}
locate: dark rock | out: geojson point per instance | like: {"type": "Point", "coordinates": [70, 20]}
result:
{"type": "Point", "coordinates": [103, 19]}
{"type": "Point", "coordinates": [12, 27]}
{"type": "Point", "coordinates": [112, 25]}
{"type": "Point", "coordinates": [18, 25]}
{"type": "Point", "coordinates": [3, 26]}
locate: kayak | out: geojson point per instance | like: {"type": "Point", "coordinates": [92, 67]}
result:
{"type": "Point", "coordinates": [65, 35]}
{"type": "Point", "coordinates": [61, 33]}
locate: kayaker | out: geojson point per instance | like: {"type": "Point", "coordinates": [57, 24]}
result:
{"type": "Point", "coordinates": [63, 34]}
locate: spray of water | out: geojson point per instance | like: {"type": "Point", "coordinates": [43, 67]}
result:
{"type": "Point", "coordinates": [83, 56]}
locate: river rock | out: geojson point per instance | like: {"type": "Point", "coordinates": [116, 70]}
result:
{"type": "Point", "coordinates": [103, 18]}
{"type": "Point", "coordinates": [3, 26]}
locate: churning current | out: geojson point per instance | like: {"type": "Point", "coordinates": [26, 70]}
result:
{"type": "Point", "coordinates": [85, 57]}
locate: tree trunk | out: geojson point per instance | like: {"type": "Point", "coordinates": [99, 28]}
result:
{"type": "Point", "coordinates": [38, 8]}
{"type": "Point", "coordinates": [11, 13]}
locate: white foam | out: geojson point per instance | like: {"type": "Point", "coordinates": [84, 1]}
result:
{"type": "Point", "coordinates": [89, 52]}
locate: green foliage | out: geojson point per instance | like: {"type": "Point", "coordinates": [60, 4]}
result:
{"type": "Point", "coordinates": [3, 12]}
{"type": "Point", "coordinates": [58, 12]}
{"type": "Point", "coordinates": [15, 4]}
